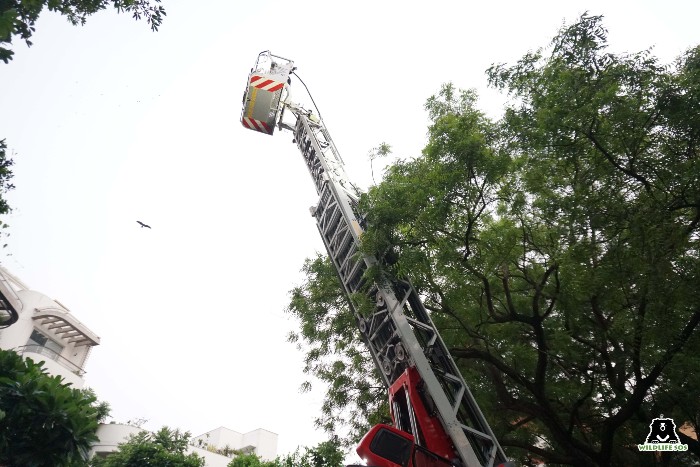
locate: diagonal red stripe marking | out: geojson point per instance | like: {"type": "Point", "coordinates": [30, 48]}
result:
{"type": "Point", "coordinates": [275, 88]}
{"type": "Point", "coordinates": [264, 83]}
{"type": "Point", "coordinates": [255, 78]}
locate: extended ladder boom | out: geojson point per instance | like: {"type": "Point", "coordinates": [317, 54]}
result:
{"type": "Point", "coordinates": [399, 332]}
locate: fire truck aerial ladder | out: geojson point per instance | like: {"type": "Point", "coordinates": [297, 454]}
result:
{"type": "Point", "coordinates": [436, 421]}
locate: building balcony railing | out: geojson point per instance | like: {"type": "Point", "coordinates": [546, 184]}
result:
{"type": "Point", "coordinates": [45, 351]}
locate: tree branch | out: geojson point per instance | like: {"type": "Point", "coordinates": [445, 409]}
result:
{"type": "Point", "coordinates": [618, 166]}
{"type": "Point", "coordinates": [640, 391]}
{"type": "Point", "coordinates": [471, 353]}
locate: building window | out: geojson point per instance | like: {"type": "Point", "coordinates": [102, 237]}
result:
{"type": "Point", "coordinates": [40, 340]}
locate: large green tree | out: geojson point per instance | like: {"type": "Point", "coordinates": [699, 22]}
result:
{"type": "Point", "coordinates": [43, 421]}
{"type": "Point", "coordinates": [558, 250]}
{"type": "Point", "coordinates": [166, 447]}
{"type": "Point", "coordinates": [18, 17]}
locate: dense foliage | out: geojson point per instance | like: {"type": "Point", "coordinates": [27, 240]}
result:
{"type": "Point", "coordinates": [18, 17]}
{"type": "Point", "coordinates": [325, 454]}
{"type": "Point", "coordinates": [557, 248]}
{"type": "Point", "coordinates": [43, 421]}
{"type": "Point", "coordinates": [166, 447]}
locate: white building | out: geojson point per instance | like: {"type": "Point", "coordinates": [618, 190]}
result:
{"type": "Point", "coordinates": [45, 331]}
{"type": "Point", "coordinates": [260, 442]}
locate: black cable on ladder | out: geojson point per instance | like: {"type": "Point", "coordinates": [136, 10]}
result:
{"type": "Point", "coordinates": [309, 93]}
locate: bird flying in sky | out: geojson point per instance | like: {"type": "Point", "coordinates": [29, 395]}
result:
{"type": "Point", "coordinates": [143, 225]}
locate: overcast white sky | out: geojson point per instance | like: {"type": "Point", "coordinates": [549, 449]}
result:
{"type": "Point", "coordinates": [110, 123]}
